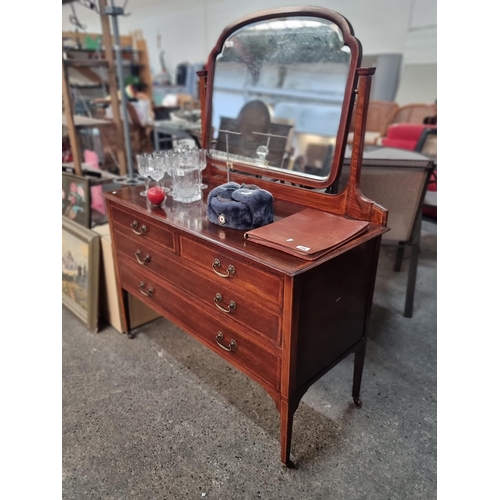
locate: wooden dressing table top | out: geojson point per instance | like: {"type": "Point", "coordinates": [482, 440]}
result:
{"type": "Point", "coordinates": [192, 218]}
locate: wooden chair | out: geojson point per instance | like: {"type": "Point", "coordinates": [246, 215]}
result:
{"type": "Point", "coordinates": [410, 113]}
{"type": "Point", "coordinates": [251, 130]}
{"type": "Point", "coordinates": [378, 114]}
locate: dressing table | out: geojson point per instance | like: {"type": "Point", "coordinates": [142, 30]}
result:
{"type": "Point", "coordinates": [281, 320]}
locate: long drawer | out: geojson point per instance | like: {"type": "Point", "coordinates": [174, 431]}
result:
{"type": "Point", "coordinates": [259, 362]}
{"type": "Point", "coordinates": [226, 303]}
{"type": "Point", "coordinates": [142, 229]}
{"type": "Point", "coordinates": [233, 271]}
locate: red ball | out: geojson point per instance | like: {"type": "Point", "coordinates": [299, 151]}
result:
{"type": "Point", "coordinates": [156, 195]}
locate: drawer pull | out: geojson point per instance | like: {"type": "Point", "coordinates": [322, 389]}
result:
{"type": "Point", "coordinates": [218, 298]}
{"type": "Point", "coordinates": [232, 345]}
{"type": "Point", "coordinates": [144, 261]}
{"type": "Point", "coordinates": [142, 229]}
{"type": "Point", "coordinates": [148, 292]}
{"type": "Point", "coordinates": [230, 270]}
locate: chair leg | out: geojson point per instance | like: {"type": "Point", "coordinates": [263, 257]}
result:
{"type": "Point", "coordinates": [399, 256]}
{"type": "Point", "coordinates": [412, 273]}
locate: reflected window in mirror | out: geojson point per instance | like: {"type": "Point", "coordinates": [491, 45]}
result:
{"type": "Point", "coordinates": [278, 92]}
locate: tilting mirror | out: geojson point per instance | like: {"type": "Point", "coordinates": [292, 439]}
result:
{"type": "Point", "coordinates": [278, 92]}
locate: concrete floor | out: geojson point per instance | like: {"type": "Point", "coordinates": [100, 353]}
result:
{"type": "Point", "coordinates": [162, 417]}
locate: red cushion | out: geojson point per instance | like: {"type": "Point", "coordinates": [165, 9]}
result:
{"type": "Point", "coordinates": [399, 143]}
{"type": "Point", "coordinates": [404, 135]}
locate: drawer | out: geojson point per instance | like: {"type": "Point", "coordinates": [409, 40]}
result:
{"type": "Point", "coordinates": [228, 305]}
{"type": "Point", "coordinates": [259, 362]}
{"type": "Point", "coordinates": [140, 250]}
{"type": "Point", "coordinates": [141, 228]}
{"type": "Point", "coordinates": [263, 287]}
{"type": "Point", "coordinates": [225, 304]}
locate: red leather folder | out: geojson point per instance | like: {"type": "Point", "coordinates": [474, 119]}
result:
{"type": "Point", "coordinates": [308, 234]}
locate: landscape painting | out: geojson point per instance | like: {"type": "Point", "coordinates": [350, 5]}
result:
{"type": "Point", "coordinates": [80, 271]}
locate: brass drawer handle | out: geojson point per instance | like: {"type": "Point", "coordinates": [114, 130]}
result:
{"type": "Point", "coordinates": [144, 261]}
{"type": "Point", "coordinates": [232, 345]}
{"type": "Point", "coordinates": [230, 270]}
{"type": "Point", "coordinates": [142, 229]}
{"type": "Point", "coordinates": [148, 292]}
{"type": "Point", "coordinates": [218, 298]}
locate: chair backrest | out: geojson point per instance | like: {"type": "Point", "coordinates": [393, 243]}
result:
{"type": "Point", "coordinates": [398, 189]}
{"type": "Point", "coordinates": [399, 185]}
{"type": "Point", "coordinates": [379, 112]}
{"type": "Point", "coordinates": [249, 132]}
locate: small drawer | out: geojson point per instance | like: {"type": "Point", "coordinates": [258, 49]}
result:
{"type": "Point", "coordinates": [234, 273]}
{"type": "Point", "coordinates": [141, 228]}
{"type": "Point", "coordinates": [140, 250]}
{"type": "Point", "coordinates": [236, 346]}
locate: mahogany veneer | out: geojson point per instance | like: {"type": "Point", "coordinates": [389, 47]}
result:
{"type": "Point", "coordinates": [281, 320]}
{"type": "Point", "coordinates": [293, 320]}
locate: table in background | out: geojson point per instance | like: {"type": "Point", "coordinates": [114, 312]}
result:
{"type": "Point", "coordinates": [175, 130]}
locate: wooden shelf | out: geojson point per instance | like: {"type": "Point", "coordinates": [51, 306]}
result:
{"type": "Point", "coordinates": [86, 61]}
{"type": "Point", "coordinates": [88, 86]}
{"type": "Point", "coordinates": [78, 63]}
{"type": "Point", "coordinates": [101, 52]}
{"type": "Point", "coordinates": [84, 121]}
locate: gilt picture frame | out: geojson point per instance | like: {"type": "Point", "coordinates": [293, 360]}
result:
{"type": "Point", "coordinates": [76, 201]}
{"type": "Point", "coordinates": [81, 255]}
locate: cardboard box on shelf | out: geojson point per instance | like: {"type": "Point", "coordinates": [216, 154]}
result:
{"type": "Point", "coordinates": [109, 305]}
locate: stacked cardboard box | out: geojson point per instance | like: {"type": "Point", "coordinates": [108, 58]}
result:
{"type": "Point", "coordinates": [109, 305]}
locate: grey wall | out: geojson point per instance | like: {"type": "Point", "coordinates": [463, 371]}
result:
{"type": "Point", "coordinates": [188, 29]}
{"type": "Point", "coordinates": [417, 84]}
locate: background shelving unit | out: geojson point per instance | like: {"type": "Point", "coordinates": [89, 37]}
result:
{"type": "Point", "coordinates": [91, 74]}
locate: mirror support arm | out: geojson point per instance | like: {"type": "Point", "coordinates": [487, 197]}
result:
{"type": "Point", "coordinates": [357, 206]}
{"type": "Point", "coordinates": [202, 91]}
{"type": "Point", "coordinates": [363, 93]}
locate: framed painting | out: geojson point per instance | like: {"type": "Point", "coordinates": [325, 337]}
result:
{"type": "Point", "coordinates": [81, 256]}
{"type": "Point", "coordinates": [76, 199]}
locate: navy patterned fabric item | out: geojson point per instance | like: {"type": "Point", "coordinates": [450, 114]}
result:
{"type": "Point", "coordinates": [236, 206]}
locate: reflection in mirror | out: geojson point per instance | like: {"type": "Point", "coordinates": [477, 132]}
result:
{"type": "Point", "coordinates": [277, 97]}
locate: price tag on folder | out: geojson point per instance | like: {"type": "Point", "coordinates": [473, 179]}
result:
{"type": "Point", "coordinates": [308, 234]}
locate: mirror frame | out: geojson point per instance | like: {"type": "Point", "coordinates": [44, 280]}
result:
{"type": "Point", "coordinates": [347, 106]}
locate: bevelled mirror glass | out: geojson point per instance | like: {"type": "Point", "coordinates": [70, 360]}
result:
{"type": "Point", "coordinates": [277, 95]}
